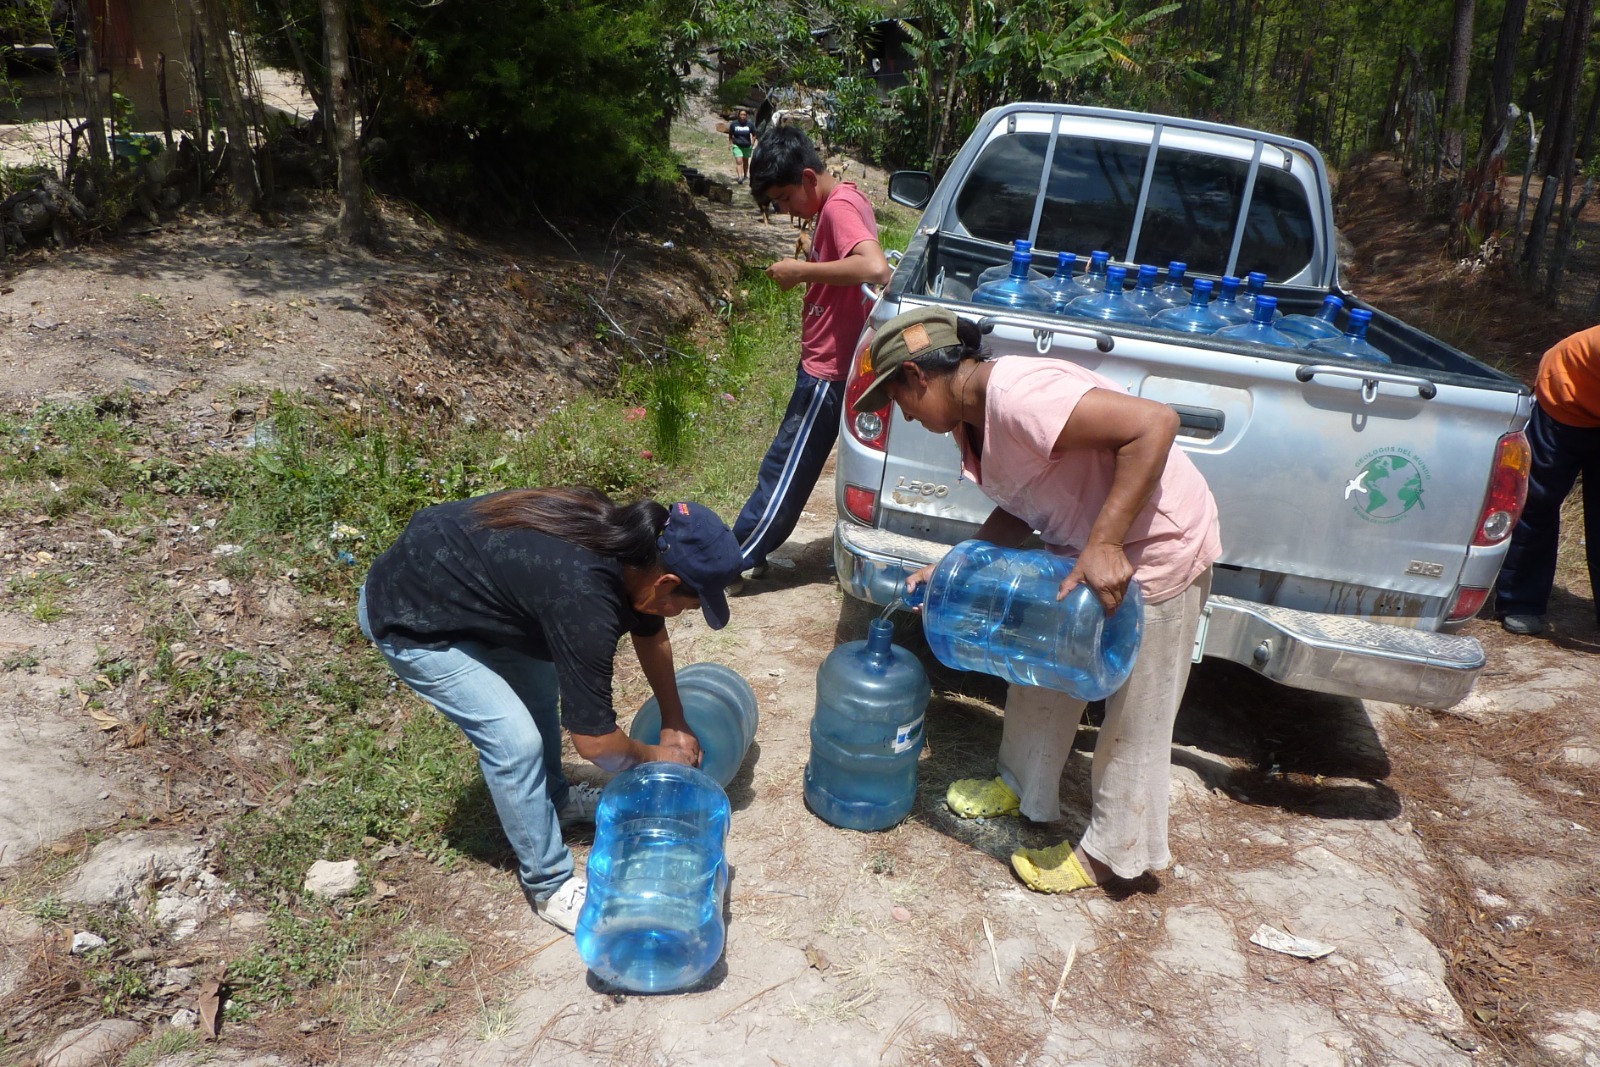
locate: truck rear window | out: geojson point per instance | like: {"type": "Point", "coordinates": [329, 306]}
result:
{"type": "Point", "coordinates": [1092, 199]}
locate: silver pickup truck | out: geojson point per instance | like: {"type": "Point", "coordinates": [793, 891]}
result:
{"type": "Point", "coordinates": [1365, 508]}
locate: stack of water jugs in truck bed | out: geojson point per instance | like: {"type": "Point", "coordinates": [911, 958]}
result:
{"type": "Point", "coordinates": [1204, 307]}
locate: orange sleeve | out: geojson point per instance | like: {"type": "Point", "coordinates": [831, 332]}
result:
{"type": "Point", "coordinates": [1568, 385]}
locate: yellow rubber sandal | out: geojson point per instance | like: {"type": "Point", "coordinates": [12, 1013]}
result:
{"type": "Point", "coordinates": [982, 798]}
{"type": "Point", "coordinates": [1051, 870]}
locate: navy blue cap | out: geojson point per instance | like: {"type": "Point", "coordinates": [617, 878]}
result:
{"type": "Point", "coordinates": [698, 547]}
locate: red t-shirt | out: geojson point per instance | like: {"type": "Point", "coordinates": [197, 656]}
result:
{"type": "Point", "coordinates": [835, 314]}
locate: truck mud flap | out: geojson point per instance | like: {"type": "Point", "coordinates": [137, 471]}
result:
{"type": "Point", "coordinates": [1303, 649]}
{"type": "Point", "coordinates": [1349, 657]}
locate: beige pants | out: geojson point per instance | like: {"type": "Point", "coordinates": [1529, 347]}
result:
{"type": "Point", "coordinates": [1131, 776]}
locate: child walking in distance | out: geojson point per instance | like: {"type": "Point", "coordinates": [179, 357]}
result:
{"type": "Point", "coordinates": [845, 254]}
{"type": "Point", "coordinates": [742, 137]}
{"type": "Point", "coordinates": [499, 609]}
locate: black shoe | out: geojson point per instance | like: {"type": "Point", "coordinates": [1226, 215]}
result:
{"type": "Point", "coordinates": [1526, 625]}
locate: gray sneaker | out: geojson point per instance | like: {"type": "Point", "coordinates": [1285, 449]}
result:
{"type": "Point", "coordinates": [582, 801]}
{"type": "Point", "coordinates": [560, 909]}
{"type": "Point", "coordinates": [1523, 624]}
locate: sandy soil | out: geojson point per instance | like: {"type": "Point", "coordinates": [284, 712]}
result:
{"type": "Point", "coordinates": [1446, 857]}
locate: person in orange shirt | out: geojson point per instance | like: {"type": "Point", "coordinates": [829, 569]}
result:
{"type": "Point", "coordinates": [1564, 435]}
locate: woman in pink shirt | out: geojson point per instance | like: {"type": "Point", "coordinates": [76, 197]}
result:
{"type": "Point", "coordinates": [1068, 453]}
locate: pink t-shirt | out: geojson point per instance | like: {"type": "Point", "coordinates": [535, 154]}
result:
{"type": "Point", "coordinates": [1170, 542]}
{"type": "Point", "coordinates": [834, 314]}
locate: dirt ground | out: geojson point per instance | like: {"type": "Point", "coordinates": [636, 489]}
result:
{"type": "Point", "coordinates": [1446, 858]}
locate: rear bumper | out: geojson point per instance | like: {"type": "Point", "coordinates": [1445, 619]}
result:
{"type": "Point", "coordinates": [1303, 649]}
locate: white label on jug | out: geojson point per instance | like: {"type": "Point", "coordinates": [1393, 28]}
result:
{"type": "Point", "coordinates": [907, 735]}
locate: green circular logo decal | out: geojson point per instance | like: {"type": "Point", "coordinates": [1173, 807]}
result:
{"type": "Point", "coordinates": [1388, 485]}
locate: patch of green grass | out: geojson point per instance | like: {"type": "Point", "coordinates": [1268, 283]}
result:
{"type": "Point", "coordinates": [41, 595]}
{"type": "Point", "coordinates": [118, 985]}
{"type": "Point", "coordinates": [48, 910]}
{"type": "Point", "coordinates": [164, 1043]}
{"type": "Point", "coordinates": [297, 953]}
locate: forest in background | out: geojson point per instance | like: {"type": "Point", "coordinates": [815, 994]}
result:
{"type": "Point", "coordinates": [498, 113]}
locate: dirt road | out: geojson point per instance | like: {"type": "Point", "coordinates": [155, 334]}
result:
{"type": "Point", "coordinates": [1446, 859]}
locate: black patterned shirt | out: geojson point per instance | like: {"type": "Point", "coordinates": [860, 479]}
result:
{"type": "Point", "coordinates": [449, 579]}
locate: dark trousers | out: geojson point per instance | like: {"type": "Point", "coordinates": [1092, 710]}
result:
{"type": "Point", "coordinates": [1560, 454]}
{"type": "Point", "coordinates": [791, 467]}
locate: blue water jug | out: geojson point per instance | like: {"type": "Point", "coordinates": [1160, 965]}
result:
{"type": "Point", "coordinates": [658, 879]}
{"type": "Point", "coordinates": [1197, 316]}
{"type": "Point", "coordinates": [1061, 285]}
{"type": "Point", "coordinates": [1144, 295]}
{"type": "Point", "coordinates": [721, 711]}
{"type": "Point", "coordinates": [1260, 330]}
{"type": "Point", "coordinates": [1255, 287]}
{"type": "Point", "coordinates": [992, 609]}
{"type": "Point", "coordinates": [1092, 282]}
{"type": "Point", "coordinates": [1318, 327]}
{"type": "Point", "coordinates": [1353, 343]}
{"type": "Point", "coordinates": [1016, 290]}
{"type": "Point", "coordinates": [866, 734]}
{"type": "Point", "coordinates": [1171, 291]}
{"type": "Point", "coordinates": [1227, 302]}
{"type": "Point", "coordinates": [1111, 304]}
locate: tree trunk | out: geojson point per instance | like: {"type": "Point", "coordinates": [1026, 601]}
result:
{"type": "Point", "coordinates": [94, 108]}
{"type": "Point", "coordinates": [1455, 85]}
{"type": "Point", "coordinates": [1501, 73]}
{"type": "Point", "coordinates": [211, 21]}
{"type": "Point", "coordinates": [1560, 130]}
{"type": "Point", "coordinates": [313, 84]}
{"type": "Point", "coordinates": [352, 225]}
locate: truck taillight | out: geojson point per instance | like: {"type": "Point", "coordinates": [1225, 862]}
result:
{"type": "Point", "coordinates": [1508, 491]}
{"type": "Point", "coordinates": [1468, 601]}
{"type": "Point", "coordinates": [870, 428]}
{"type": "Point", "coordinates": [860, 503]}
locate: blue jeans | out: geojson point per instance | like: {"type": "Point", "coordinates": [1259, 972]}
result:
{"type": "Point", "coordinates": [506, 703]}
{"type": "Point", "coordinates": [1560, 454]}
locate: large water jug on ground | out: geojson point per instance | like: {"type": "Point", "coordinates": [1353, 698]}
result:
{"type": "Point", "coordinates": [1260, 330]}
{"type": "Point", "coordinates": [994, 610]}
{"type": "Point", "coordinates": [1017, 289]}
{"type": "Point", "coordinates": [1353, 343]}
{"type": "Point", "coordinates": [866, 734]}
{"type": "Point", "coordinates": [1110, 304]}
{"type": "Point", "coordinates": [1197, 317]}
{"type": "Point", "coordinates": [721, 710]}
{"type": "Point", "coordinates": [1318, 327]}
{"type": "Point", "coordinates": [658, 880]}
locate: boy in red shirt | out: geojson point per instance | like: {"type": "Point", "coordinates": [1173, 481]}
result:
{"type": "Point", "coordinates": [845, 254]}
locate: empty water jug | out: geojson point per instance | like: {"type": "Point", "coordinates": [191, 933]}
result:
{"type": "Point", "coordinates": [720, 708]}
{"type": "Point", "coordinates": [1111, 304]}
{"type": "Point", "coordinates": [1197, 316]}
{"type": "Point", "coordinates": [1353, 343]}
{"type": "Point", "coordinates": [1144, 295]}
{"type": "Point", "coordinates": [1255, 286]}
{"type": "Point", "coordinates": [992, 609]}
{"type": "Point", "coordinates": [658, 879]}
{"type": "Point", "coordinates": [866, 734]}
{"type": "Point", "coordinates": [1260, 330]}
{"type": "Point", "coordinates": [1061, 285]}
{"type": "Point", "coordinates": [1016, 290]}
{"type": "Point", "coordinates": [1093, 281]}
{"type": "Point", "coordinates": [1171, 290]}
{"type": "Point", "coordinates": [1318, 327]}
{"type": "Point", "coordinates": [1227, 302]}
